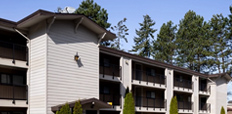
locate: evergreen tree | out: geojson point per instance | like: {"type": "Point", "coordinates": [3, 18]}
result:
{"type": "Point", "coordinates": [165, 45]}
{"type": "Point", "coordinates": [223, 110]}
{"type": "Point", "coordinates": [193, 42]}
{"type": "Point", "coordinates": [64, 110]}
{"type": "Point", "coordinates": [129, 105]}
{"type": "Point", "coordinates": [77, 108]}
{"type": "Point", "coordinates": [93, 11]}
{"type": "Point", "coordinates": [173, 106]}
{"type": "Point", "coordinates": [121, 32]}
{"type": "Point", "coordinates": [221, 48]}
{"type": "Point", "coordinates": [145, 35]}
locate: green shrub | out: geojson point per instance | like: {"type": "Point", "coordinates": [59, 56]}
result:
{"type": "Point", "coordinates": [223, 110]}
{"type": "Point", "coordinates": [173, 106]}
{"type": "Point", "coordinates": [77, 108]}
{"type": "Point", "coordinates": [64, 110]}
{"type": "Point", "coordinates": [129, 105]}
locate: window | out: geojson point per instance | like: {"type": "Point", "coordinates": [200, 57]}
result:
{"type": "Point", "coordinates": [106, 62]}
{"type": "Point", "coordinates": [5, 79]}
{"type": "Point", "coordinates": [18, 80]}
{"type": "Point", "coordinates": [151, 94]}
{"type": "Point", "coordinates": [150, 72]}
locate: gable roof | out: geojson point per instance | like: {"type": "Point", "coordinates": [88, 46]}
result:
{"type": "Point", "coordinates": [41, 15]}
{"type": "Point", "coordinates": [161, 64]}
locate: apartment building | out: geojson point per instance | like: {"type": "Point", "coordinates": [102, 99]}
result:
{"type": "Point", "coordinates": [48, 59]}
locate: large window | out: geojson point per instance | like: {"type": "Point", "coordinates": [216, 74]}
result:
{"type": "Point", "coordinates": [105, 90]}
{"type": "Point", "coordinates": [150, 72]}
{"type": "Point", "coordinates": [12, 79]}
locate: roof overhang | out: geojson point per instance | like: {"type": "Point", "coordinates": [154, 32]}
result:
{"type": "Point", "coordinates": [96, 102]}
{"type": "Point", "coordinates": [41, 15]}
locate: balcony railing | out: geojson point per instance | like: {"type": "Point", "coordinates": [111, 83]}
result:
{"type": "Point", "coordinates": [205, 107]}
{"type": "Point", "coordinates": [203, 87]}
{"type": "Point", "coordinates": [185, 105]}
{"type": "Point", "coordinates": [114, 99]}
{"type": "Point", "coordinates": [13, 51]}
{"type": "Point", "coordinates": [13, 92]}
{"type": "Point", "coordinates": [110, 69]}
{"type": "Point", "coordinates": [183, 83]}
{"type": "Point", "coordinates": [148, 77]}
{"type": "Point", "coordinates": [149, 102]}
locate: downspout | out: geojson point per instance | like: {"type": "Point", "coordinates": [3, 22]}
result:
{"type": "Point", "coordinates": [99, 41]}
{"type": "Point", "coordinates": [50, 24]}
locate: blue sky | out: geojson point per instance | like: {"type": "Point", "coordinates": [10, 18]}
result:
{"type": "Point", "coordinates": [161, 11]}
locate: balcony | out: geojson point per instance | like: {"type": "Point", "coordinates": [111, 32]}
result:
{"type": "Point", "coordinates": [204, 89]}
{"type": "Point", "coordinates": [183, 83]}
{"type": "Point", "coordinates": [109, 68]}
{"type": "Point", "coordinates": [147, 78]}
{"type": "Point", "coordinates": [114, 100]}
{"type": "Point", "coordinates": [141, 101]}
{"type": "Point", "coordinates": [13, 51]}
{"type": "Point", "coordinates": [13, 92]}
{"type": "Point", "coordinates": [110, 94]}
{"type": "Point", "coordinates": [204, 107]}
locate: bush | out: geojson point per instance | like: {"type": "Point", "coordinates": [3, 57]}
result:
{"type": "Point", "coordinates": [129, 105]}
{"type": "Point", "coordinates": [77, 108]}
{"type": "Point", "coordinates": [173, 106]}
{"type": "Point", "coordinates": [223, 110]}
{"type": "Point", "coordinates": [64, 110]}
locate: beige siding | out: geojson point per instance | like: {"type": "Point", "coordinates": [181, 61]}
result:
{"type": "Point", "coordinates": [37, 87]}
{"type": "Point", "coordinates": [66, 80]}
{"type": "Point", "coordinates": [221, 97]}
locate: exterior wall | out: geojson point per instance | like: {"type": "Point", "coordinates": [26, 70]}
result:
{"type": "Point", "coordinates": [67, 79]}
{"type": "Point", "coordinates": [126, 69]}
{"type": "Point", "coordinates": [221, 93]}
{"type": "Point", "coordinates": [37, 84]}
{"type": "Point", "coordinates": [195, 95]}
{"type": "Point", "coordinates": [169, 73]}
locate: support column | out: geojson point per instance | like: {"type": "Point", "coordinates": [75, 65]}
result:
{"type": "Point", "coordinates": [126, 76]}
{"type": "Point", "coordinates": [195, 95]}
{"type": "Point", "coordinates": [169, 73]}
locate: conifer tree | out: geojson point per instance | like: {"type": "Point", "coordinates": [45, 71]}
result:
{"type": "Point", "coordinates": [165, 45]}
{"type": "Point", "coordinates": [223, 110]}
{"type": "Point", "coordinates": [173, 106]}
{"type": "Point", "coordinates": [221, 48]}
{"type": "Point", "coordinates": [143, 43]}
{"type": "Point", "coordinates": [64, 110]}
{"type": "Point", "coordinates": [129, 105]}
{"type": "Point", "coordinates": [77, 108]}
{"type": "Point", "coordinates": [193, 42]}
{"type": "Point", "coordinates": [121, 33]}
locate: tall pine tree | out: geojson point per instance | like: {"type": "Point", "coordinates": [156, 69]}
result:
{"type": "Point", "coordinates": [193, 42]}
{"type": "Point", "coordinates": [143, 43]}
{"type": "Point", "coordinates": [121, 32]}
{"type": "Point", "coordinates": [221, 48]}
{"type": "Point", "coordinates": [165, 45]}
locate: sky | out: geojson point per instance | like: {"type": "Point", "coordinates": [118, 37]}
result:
{"type": "Point", "coordinates": [161, 11]}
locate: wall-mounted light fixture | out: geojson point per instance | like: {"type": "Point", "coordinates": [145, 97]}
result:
{"type": "Point", "coordinates": [76, 57]}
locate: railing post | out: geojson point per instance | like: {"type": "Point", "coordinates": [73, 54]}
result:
{"type": "Point", "coordinates": [147, 103]}
{"type": "Point", "coordinates": [13, 54]}
{"type": "Point", "coordinates": [13, 95]}
{"type": "Point", "coordinates": [147, 77]}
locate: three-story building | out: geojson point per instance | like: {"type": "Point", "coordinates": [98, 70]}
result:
{"type": "Point", "coordinates": [48, 59]}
